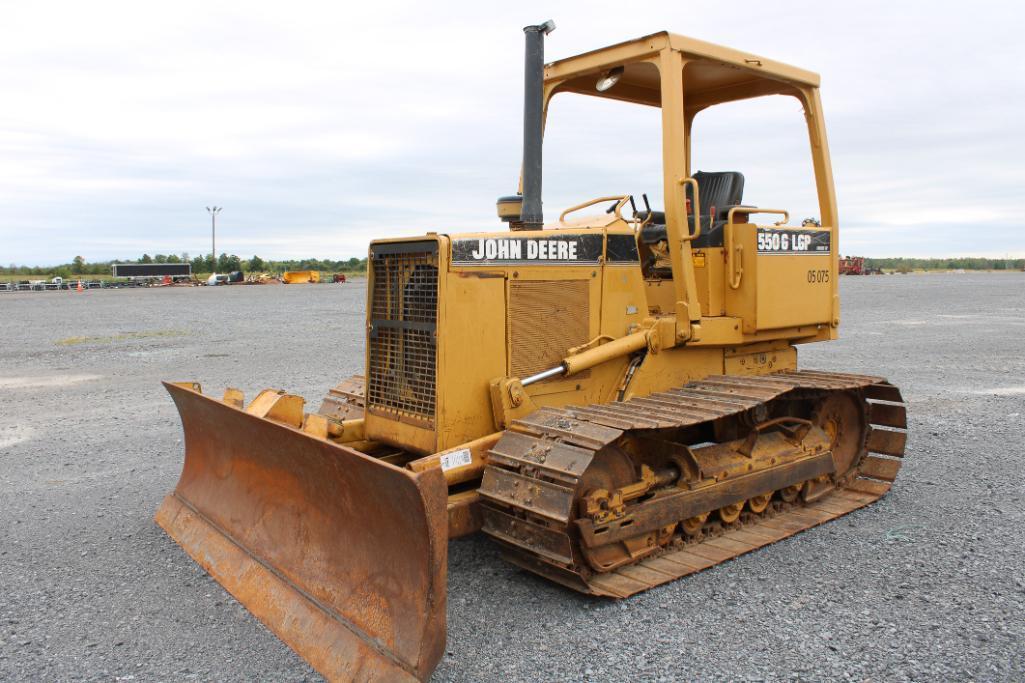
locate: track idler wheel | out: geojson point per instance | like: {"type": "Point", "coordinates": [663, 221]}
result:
{"type": "Point", "coordinates": [790, 493]}
{"type": "Point", "coordinates": [731, 513]}
{"type": "Point", "coordinates": [841, 415]}
{"type": "Point", "coordinates": [758, 504]}
{"type": "Point", "coordinates": [694, 525]}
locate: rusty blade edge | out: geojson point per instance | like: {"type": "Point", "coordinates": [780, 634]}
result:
{"type": "Point", "coordinates": [264, 581]}
{"type": "Point", "coordinates": [308, 643]}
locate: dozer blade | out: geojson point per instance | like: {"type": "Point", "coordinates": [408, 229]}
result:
{"type": "Point", "coordinates": [341, 555]}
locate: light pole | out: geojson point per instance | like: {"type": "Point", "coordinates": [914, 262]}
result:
{"type": "Point", "coordinates": [214, 210]}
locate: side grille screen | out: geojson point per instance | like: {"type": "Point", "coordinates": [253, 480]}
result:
{"type": "Point", "coordinates": [546, 319]}
{"type": "Point", "coordinates": [403, 320]}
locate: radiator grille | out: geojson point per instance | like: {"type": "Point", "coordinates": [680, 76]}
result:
{"type": "Point", "coordinates": [403, 320]}
{"type": "Point", "coordinates": [546, 319]}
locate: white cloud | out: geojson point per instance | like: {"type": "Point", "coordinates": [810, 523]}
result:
{"type": "Point", "coordinates": [320, 125]}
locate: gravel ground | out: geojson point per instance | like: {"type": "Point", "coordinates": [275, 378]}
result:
{"type": "Point", "coordinates": [928, 584]}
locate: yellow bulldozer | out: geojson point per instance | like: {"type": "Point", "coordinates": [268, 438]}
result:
{"type": "Point", "coordinates": [614, 398]}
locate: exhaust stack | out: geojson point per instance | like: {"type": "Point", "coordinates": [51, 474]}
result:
{"type": "Point", "coordinates": [530, 215]}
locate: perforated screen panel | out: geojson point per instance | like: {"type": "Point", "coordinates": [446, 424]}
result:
{"type": "Point", "coordinates": [402, 364]}
{"type": "Point", "coordinates": [546, 319]}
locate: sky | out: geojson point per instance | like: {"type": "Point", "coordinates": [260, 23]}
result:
{"type": "Point", "coordinates": [320, 126]}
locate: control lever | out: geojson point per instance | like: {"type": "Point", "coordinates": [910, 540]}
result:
{"type": "Point", "coordinates": [632, 205]}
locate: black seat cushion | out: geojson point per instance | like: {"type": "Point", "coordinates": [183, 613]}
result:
{"type": "Point", "coordinates": [719, 190]}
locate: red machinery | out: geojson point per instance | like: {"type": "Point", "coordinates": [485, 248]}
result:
{"type": "Point", "coordinates": [855, 265]}
{"type": "Point", "coordinates": [852, 265]}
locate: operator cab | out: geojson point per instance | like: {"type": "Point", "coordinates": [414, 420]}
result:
{"type": "Point", "coordinates": [703, 257]}
{"type": "Point", "coordinates": [718, 192]}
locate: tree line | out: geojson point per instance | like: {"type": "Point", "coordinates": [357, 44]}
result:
{"type": "Point", "coordinates": [225, 263]}
{"type": "Point", "coordinates": [907, 265]}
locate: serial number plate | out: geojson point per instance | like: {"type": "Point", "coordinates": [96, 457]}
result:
{"type": "Point", "coordinates": [791, 241]}
{"type": "Point", "coordinates": [458, 458]}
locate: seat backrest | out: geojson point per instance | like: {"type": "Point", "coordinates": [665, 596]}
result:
{"type": "Point", "coordinates": [721, 189]}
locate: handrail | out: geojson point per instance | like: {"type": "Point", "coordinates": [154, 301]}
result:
{"type": "Point", "coordinates": [620, 200]}
{"type": "Point", "coordinates": [697, 209]}
{"type": "Point", "coordinates": [754, 209]}
{"type": "Point", "coordinates": [734, 265]}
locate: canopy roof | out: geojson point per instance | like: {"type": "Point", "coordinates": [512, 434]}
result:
{"type": "Point", "coordinates": [711, 73]}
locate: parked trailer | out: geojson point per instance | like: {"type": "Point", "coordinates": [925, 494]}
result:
{"type": "Point", "coordinates": [152, 270]}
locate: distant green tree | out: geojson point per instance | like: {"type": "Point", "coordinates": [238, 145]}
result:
{"type": "Point", "coordinates": [78, 265]}
{"type": "Point", "coordinates": [255, 263]}
{"type": "Point", "coordinates": [173, 258]}
{"type": "Point", "coordinates": [202, 264]}
{"type": "Point", "coordinates": [227, 264]}
{"type": "Point", "coordinates": [160, 258]}
{"type": "Point", "coordinates": [146, 258]}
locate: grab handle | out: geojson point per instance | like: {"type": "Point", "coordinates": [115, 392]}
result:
{"type": "Point", "coordinates": [734, 264]}
{"type": "Point", "coordinates": [620, 200]}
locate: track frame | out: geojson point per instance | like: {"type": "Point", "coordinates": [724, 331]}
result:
{"type": "Point", "coordinates": [531, 485]}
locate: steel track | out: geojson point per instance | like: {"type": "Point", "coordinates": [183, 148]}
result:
{"type": "Point", "coordinates": [530, 487]}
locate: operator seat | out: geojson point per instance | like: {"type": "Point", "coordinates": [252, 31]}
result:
{"type": "Point", "coordinates": [718, 191]}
